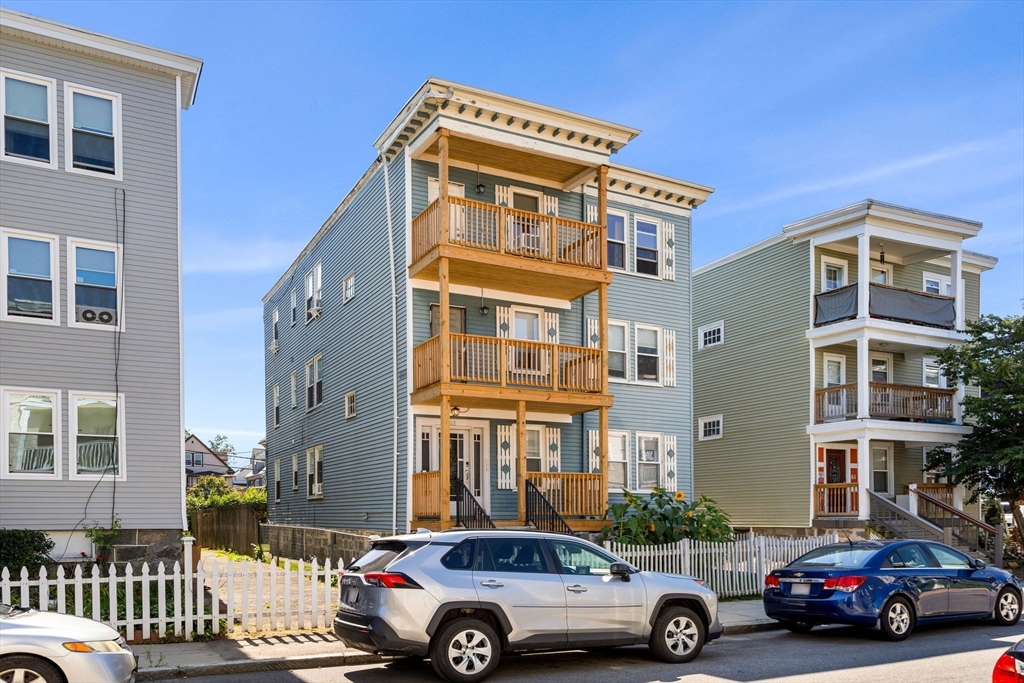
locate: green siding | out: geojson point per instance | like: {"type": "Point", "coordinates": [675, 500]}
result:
{"type": "Point", "coordinates": [759, 471]}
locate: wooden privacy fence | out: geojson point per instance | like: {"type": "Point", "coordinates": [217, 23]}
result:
{"type": "Point", "coordinates": [732, 569]}
{"type": "Point", "coordinates": [252, 596]}
{"type": "Point", "coordinates": [233, 528]}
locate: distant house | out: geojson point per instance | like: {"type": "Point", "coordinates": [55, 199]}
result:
{"type": "Point", "coordinates": [201, 460]}
{"type": "Point", "coordinates": [253, 474]}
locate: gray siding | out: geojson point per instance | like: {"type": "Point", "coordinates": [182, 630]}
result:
{"type": "Point", "coordinates": [355, 341]}
{"type": "Point", "coordinates": [149, 373]}
{"type": "Point", "coordinates": [759, 470]}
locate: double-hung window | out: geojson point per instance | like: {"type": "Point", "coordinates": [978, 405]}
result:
{"type": "Point", "coordinates": [618, 344]}
{"type": "Point", "coordinates": [30, 421]}
{"type": "Point", "coordinates": [277, 480]}
{"type": "Point", "coordinates": [648, 354]}
{"type": "Point", "coordinates": [197, 459]}
{"type": "Point", "coordinates": [534, 461]}
{"type": "Point", "coordinates": [348, 289]}
{"type": "Point", "coordinates": [647, 241]}
{"type": "Point", "coordinates": [274, 333]}
{"type": "Point", "coordinates": [30, 283]}
{"type": "Point", "coordinates": [95, 295]}
{"type": "Point", "coordinates": [932, 376]}
{"type": "Point", "coordinates": [295, 308]}
{"type": "Point", "coordinates": [313, 291]}
{"type": "Point", "coordinates": [315, 472]}
{"type": "Point", "coordinates": [295, 382]}
{"type": "Point", "coordinates": [29, 114]}
{"type": "Point", "coordinates": [295, 471]}
{"type": "Point", "coordinates": [350, 404]}
{"type": "Point", "coordinates": [618, 460]}
{"type": "Point", "coordinates": [96, 436]}
{"type": "Point", "coordinates": [314, 384]}
{"type": "Point", "coordinates": [92, 124]}
{"type": "Point", "coordinates": [649, 464]}
{"type": "Point", "coordinates": [277, 405]}
{"type": "Point", "coordinates": [617, 240]}
{"type": "Point", "coordinates": [833, 273]}
{"type": "Point", "coordinates": [938, 284]}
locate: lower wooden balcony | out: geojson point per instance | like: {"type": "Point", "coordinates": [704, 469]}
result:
{"type": "Point", "coordinates": [489, 372]}
{"type": "Point", "coordinates": [836, 500]}
{"type": "Point", "coordinates": [888, 401]}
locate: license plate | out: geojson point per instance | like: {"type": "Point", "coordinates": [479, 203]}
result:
{"type": "Point", "coordinates": [352, 595]}
{"type": "Point", "coordinates": [800, 589]}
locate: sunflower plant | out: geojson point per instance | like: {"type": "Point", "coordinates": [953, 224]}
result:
{"type": "Point", "coordinates": [666, 517]}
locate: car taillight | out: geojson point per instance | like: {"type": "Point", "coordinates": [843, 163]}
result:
{"type": "Point", "coordinates": [386, 580]}
{"type": "Point", "coordinates": [845, 584]}
{"type": "Point", "coordinates": [1006, 670]}
{"type": "Point", "coordinates": [771, 581]}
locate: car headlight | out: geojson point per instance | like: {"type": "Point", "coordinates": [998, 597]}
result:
{"type": "Point", "coordinates": [94, 646]}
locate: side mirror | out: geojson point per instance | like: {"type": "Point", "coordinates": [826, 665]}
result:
{"type": "Point", "coordinates": [620, 569]}
{"type": "Point", "coordinates": [979, 564]}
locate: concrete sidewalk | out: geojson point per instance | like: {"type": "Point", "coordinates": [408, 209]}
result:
{"type": "Point", "coordinates": [311, 650]}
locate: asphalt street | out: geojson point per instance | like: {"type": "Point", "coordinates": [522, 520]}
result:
{"type": "Point", "coordinates": [940, 654]}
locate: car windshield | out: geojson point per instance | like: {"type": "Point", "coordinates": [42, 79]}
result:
{"type": "Point", "coordinates": [835, 556]}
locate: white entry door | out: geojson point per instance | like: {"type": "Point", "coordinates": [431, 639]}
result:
{"type": "Point", "coordinates": [469, 460]}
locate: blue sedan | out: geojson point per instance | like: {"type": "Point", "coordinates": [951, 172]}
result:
{"type": "Point", "coordinates": [889, 585]}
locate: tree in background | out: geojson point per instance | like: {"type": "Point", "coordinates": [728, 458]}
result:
{"type": "Point", "coordinates": [221, 444]}
{"type": "Point", "coordinates": [989, 460]}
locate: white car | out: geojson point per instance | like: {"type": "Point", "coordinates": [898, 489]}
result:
{"type": "Point", "coordinates": [46, 647]}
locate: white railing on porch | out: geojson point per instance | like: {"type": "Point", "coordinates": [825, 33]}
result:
{"type": "Point", "coordinates": [256, 596]}
{"type": "Point", "coordinates": [732, 569]}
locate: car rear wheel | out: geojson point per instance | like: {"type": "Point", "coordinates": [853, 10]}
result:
{"type": "Point", "coordinates": [28, 670]}
{"type": "Point", "coordinates": [465, 651]}
{"type": "Point", "coordinates": [678, 635]}
{"type": "Point", "coordinates": [1007, 607]}
{"type": "Point", "coordinates": [897, 619]}
{"type": "Point", "coordinates": [797, 626]}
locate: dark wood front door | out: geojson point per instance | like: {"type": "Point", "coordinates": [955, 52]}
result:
{"type": "Point", "coordinates": [835, 473]}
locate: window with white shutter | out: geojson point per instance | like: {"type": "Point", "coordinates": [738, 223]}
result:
{"type": "Point", "coordinates": [668, 376]}
{"type": "Point", "coordinates": [594, 450]}
{"type": "Point", "coordinates": [552, 449]}
{"type": "Point", "coordinates": [668, 238]}
{"type": "Point", "coordinates": [671, 462]}
{"type": "Point", "coordinates": [618, 460]}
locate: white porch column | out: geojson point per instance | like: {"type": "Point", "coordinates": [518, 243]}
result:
{"type": "Point", "coordinates": [863, 273]}
{"type": "Point", "coordinates": [863, 379]}
{"type": "Point", "coordinates": [864, 476]}
{"type": "Point", "coordinates": [955, 278]}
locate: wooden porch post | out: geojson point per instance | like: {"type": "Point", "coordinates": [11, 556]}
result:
{"type": "Point", "coordinates": [602, 306]}
{"type": "Point", "coordinates": [444, 460]}
{"type": "Point", "coordinates": [602, 214]}
{"type": "Point", "coordinates": [446, 378]}
{"type": "Point", "coordinates": [442, 180]}
{"type": "Point", "coordinates": [603, 455]}
{"type": "Point", "coordinates": [521, 459]}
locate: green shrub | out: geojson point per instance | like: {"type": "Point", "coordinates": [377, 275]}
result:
{"type": "Point", "coordinates": [666, 518]}
{"type": "Point", "coordinates": [212, 491]}
{"type": "Point", "coordinates": [24, 548]}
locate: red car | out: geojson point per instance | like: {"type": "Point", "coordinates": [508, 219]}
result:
{"type": "Point", "coordinates": [1010, 667]}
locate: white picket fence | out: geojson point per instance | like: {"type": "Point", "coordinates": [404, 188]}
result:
{"type": "Point", "coordinates": [733, 569]}
{"type": "Point", "coordinates": [256, 596]}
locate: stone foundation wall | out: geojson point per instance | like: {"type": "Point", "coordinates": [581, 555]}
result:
{"type": "Point", "coordinates": [305, 543]}
{"type": "Point", "coordinates": [136, 546]}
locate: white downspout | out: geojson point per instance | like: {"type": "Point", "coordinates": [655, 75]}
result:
{"type": "Point", "coordinates": [394, 349]}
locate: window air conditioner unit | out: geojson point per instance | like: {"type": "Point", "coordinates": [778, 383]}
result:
{"type": "Point", "coordinates": [318, 489]}
{"type": "Point", "coordinates": [314, 312]}
{"type": "Point", "coordinates": [273, 348]}
{"type": "Point", "coordinates": [95, 315]}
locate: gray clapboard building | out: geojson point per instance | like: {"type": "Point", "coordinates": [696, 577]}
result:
{"type": "Point", "coordinates": [90, 293]}
{"type": "Point", "coordinates": [493, 327]}
{"type": "Point", "coordinates": [816, 387]}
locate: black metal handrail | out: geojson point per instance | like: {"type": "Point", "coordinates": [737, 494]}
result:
{"type": "Point", "coordinates": [542, 514]}
{"type": "Point", "coordinates": [468, 512]}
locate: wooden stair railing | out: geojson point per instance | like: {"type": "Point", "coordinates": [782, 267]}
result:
{"type": "Point", "coordinates": [964, 529]}
{"type": "Point", "coordinates": [902, 523]}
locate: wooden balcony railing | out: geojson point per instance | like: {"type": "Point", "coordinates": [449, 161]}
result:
{"type": "Point", "coordinates": [943, 492]}
{"type": "Point", "coordinates": [510, 362]}
{"type": "Point", "coordinates": [500, 229]}
{"type": "Point", "coordinates": [836, 500]}
{"type": "Point", "coordinates": [573, 494]}
{"type": "Point", "coordinates": [888, 401]}
{"type": "Point", "coordinates": [426, 495]}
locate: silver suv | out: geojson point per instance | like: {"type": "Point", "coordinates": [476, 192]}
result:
{"type": "Point", "coordinates": [462, 598]}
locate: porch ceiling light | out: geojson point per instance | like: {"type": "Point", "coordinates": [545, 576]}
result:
{"type": "Point", "coordinates": [455, 411]}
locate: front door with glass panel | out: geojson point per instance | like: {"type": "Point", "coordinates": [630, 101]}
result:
{"type": "Point", "coordinates": [835, 473]}
{"type": "Point", "coordinates": [468, 461]}
{"type": "Point", "coordinates": [526, 327]}
{"type": "Point", "coordinates": [835, 376]}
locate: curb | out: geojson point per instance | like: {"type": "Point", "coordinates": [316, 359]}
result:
{"type": "Point", "coordinates": [164, 673]}
{"type": "Point", "coordinates": [756, 627]}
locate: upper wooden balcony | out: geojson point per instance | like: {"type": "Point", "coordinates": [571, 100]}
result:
{"type": "Point", "coordinates": [500, 247]}
{"type": "Point", "coordinates": [888, 402]}
{"type": "Point", "coordinates": [489, 372]}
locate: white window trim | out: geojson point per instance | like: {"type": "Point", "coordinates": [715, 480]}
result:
{"type": "Point", "coordinates": [625, 241]}
{"type": "Point", "coordinates": [277, 405]}
{"type": "Point", "coordinates": [54, 275]}
{"type": "Point", "coordinates": [660, 355]}
{"type": "Point", "coordinates": [710, 418]}
{"type": "Point", "coordinates": [119, 282]}
{"type": "Point", "coordinates": [277, 480]}
{"type": "Point", "coordinates": [825, 358]}
{"type": "Point", "coordinates": [311, 459]}
{"type": "Point", "coordinates": [932, 360]}
{"type": "Point", "coordinates": [539, 312]}
{"type": "Point", "coordinates": [620, 433]}
{"type": "Point", "coordinates": [306, 384]}
{"type": "Point", "coordinates": [295, 384]}
{"type": "Point", "coordinates": [887, 267]}
{"type": "Point", "coordinates": [73, 473]}
{"type": "Point", "coordinates": [891, 467]}
{"type": "Point", "coordinates": [661, 458]}
{"type": "Point", "coordinates": [352, 413]}
{"type": "Point", "coordinates": [515, 189]}
{"type": "Point", "coordinates": [345, 296]}
{"type": "Point", "coordinates": [275, 334]}
{"type": "Point", "coordinates": [625, 326]}
{"type": "Point", "coordinates": [832, 261]}
{"type": "Point", "coordinates": [51, 116]}
{"type": "Point", "coordinates": [888, 357]}
{"type": "Point", "coordinates": [638, 218]}
{"type": "Point", "coordinates": [295, 471]}
{"type": "Point", "coordinates": [69, 120]}
{"type": "Point", "coordinates": [316, 273]}
{"type": "Point", "coordinates": [58, 453]}
{"type": "Point", "coordinates": [945, 282]}
{"type": "Point", "coordinates": [707, 328]}
{"type": "Point", "coordinates": [295, 310]}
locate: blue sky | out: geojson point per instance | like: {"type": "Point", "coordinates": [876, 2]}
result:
{"type": "Point", "coordinates": [787, 109]}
